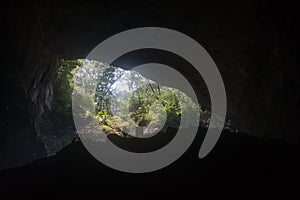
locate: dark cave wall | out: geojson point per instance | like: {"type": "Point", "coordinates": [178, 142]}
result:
{"type": "Point", "coordinates": [252, 43]}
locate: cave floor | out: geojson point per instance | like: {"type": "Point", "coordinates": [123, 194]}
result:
{"type": "Point", "coordinates": [237, 159]}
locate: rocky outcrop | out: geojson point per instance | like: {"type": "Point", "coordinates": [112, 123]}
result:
{"type": "Point", "coordinates": [252, 43]}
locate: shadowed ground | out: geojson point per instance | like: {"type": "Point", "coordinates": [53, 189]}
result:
{"type": "Point", "coordinates": [237, 160]}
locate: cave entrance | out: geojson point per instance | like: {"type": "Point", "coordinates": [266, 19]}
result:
{"type": "Point", "coordinates": [126, 105]}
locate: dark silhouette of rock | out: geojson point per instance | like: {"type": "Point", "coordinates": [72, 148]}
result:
{"type": "Point", "coordinates": [238, 160]}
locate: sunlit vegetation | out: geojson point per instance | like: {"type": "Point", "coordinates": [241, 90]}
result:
{"type": "Point", "coordinates": [115, 101]}
{"type": "Point", "coordinates": [125, 100]}
{"type": "Point", "coordinates": [57, 128]}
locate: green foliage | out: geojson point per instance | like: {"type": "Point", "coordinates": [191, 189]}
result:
{"type": "Point", "coordinates": [61, 109]}
{"type": "Point", "coordinates": [63, 85]}
{"type": "Point", "coordinates": [103, 94]}
{"type": "Point", "coordinates": [94, 85]}
{"type": "Point", "coordinates": [57, 126]}
{"type": "Point", "coordinates": [103, 114]}
{"type": "Point", "coordinates": [98, 78]}
{"type": "Point", "coordinates": [152, 94]}
{"type": "Point", "coordinates": [107, 128]}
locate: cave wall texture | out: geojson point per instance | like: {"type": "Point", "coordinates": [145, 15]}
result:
{"type": "Point", "coordinates": [252, 42]}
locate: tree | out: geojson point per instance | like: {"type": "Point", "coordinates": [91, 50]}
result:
{"type": "Point", "coordinates": [104, 88]}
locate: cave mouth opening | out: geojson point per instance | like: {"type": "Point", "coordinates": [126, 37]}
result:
{"type": "Point", "coordinates": [127, 107]}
